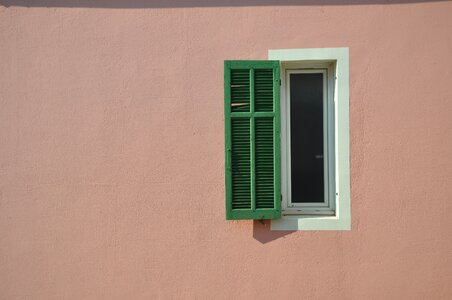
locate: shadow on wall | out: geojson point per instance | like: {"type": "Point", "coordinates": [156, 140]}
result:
{"type": "Point", "coordinates": [263, 234]}
{"type": "Point", "coordinates": [194, 3]}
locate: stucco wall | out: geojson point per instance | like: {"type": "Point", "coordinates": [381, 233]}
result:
{"type": "Point", "coordinates": [111, 152]}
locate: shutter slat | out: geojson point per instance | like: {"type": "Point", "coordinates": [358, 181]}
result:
{"type": "Point", "coordinates": [265, 174]}
{"type": "Point", "coordinates": [240, 90]}
{"type": "Point", "coordinates": [241, 164]}
{"type": "Point", "coordinates": [263, 86]}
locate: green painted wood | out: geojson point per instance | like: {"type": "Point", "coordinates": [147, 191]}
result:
{"type": "Point", "coordinates": [241, 164]}
{"type": "Point", "coordinates": [252, 140]}
{"type": "Point", "coordinates": [248, 114]}
{"type": "Point", "coordinates": [227, 133]}
{"type": "Point", "coordinates": [277, 136]}
{"type": "Point", "coordinates": [263, 87]}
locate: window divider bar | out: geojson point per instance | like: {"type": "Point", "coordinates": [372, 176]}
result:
{"type": "Point", "coordinates": [249, 115]}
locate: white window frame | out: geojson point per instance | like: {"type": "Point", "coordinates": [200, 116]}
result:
{"type": "Point", "coordinates": [335, 216]}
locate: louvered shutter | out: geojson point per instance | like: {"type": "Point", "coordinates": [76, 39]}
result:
{"type": "Point", "coordinates": [252, 140]}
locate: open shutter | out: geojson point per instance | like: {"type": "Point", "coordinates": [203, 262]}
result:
{"type": "Point", "coordinates": [252, 139]}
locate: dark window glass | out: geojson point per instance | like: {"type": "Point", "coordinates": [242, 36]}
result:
{"type": "Point", "coordinates": [306, 129]}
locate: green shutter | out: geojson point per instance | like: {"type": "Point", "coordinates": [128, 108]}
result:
{"type": "Point", "coordinates": [252, 139]}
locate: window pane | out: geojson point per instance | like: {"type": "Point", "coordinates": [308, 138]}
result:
{"type": "Point", "coordinates": [306, 129]}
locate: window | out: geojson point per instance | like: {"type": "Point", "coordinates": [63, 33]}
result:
{"type": "Point", "coordinates": [287, 141]}
{"type": "Point", "coordinates": [307, 139]}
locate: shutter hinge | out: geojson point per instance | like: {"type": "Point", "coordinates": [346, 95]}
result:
{"type": "Point", "coordinates": [281, 197]}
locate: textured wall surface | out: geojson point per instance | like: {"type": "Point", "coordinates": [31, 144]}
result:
{"type": "Point", "coordinates": [111, 152]}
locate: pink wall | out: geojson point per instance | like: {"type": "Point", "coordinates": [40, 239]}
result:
{"type": "Point", "coordinates": [111, 154]}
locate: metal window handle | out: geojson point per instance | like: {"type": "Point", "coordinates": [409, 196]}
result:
{"type": "Point", "coordinates": [318, 156]}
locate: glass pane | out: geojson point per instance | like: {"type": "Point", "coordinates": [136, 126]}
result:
{"type": "Point", "coordinates": [306, 129]}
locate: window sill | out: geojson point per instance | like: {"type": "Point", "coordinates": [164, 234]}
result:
{"type": "Point", "coordinates": [306, 222]}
